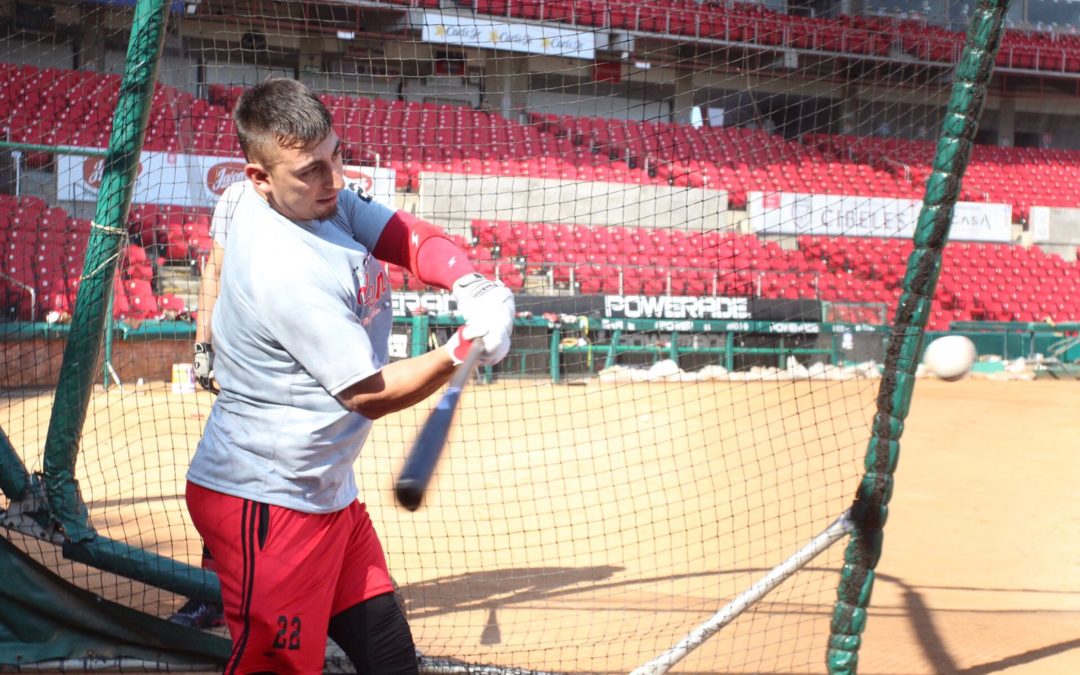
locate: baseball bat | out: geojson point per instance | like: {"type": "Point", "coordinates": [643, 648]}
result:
{"type": "Point", "coordinates": [420, 463]}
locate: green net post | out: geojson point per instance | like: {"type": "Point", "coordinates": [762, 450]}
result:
{"type": "Point", "coordinates": [870, 508]}
{"type": "Point", "coordinates": [14, 478]}
{"type": "Point", "coordinates": [420, 330]}
{"type": "Point", "coordinates": [609, 360]}
{"type": "Point", "coordinates": [108, 232]}
{"type": "Point", "coordinates": [553, 365]}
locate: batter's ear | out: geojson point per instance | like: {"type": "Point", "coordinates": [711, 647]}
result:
{"type": "Point", "coordinates": [259, 177]}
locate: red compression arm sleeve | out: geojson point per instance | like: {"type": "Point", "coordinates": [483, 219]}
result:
{"type": "Point", "coordinates": [423, 249]}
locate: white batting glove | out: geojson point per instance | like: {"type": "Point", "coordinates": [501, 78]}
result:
{"type": "Point", "coordinates": [203, 364]}
{"type": "Point", "coordinates": [488, 309]}
{"type": "Point", "coordinates": [462, 340]}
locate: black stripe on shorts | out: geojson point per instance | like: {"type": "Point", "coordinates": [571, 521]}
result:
{"type": "Point", "coordinates": [248, 519]}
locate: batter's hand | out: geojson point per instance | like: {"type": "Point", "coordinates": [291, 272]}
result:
{"type": "Point", "coordinates": [488, 309]}
{"type": "Point", "coordinates": [459, 343]}
{"type": "Point", "coordinates": [203, 364]}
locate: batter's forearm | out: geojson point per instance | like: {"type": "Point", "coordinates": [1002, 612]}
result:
{"type": "Point", "coordinates": [400, 385]}
{"type": "Point", "coordinates": [208, 293]}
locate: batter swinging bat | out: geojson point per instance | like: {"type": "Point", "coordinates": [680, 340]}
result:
{"type": "Point", "coordinates": [424, 455]}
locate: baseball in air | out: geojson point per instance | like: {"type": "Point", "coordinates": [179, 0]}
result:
{"type": "Point", "coordinates": [950, 357]}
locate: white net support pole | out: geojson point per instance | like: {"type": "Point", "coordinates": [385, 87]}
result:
{"type": "Point", "coordinates": [840, 528]}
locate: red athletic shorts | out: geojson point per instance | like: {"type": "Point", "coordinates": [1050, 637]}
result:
{"type": "Point", "coordinates": [284, 574]}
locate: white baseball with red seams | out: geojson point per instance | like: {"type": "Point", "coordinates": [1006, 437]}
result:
{"type": "Point", "coordinates": [950, 357]}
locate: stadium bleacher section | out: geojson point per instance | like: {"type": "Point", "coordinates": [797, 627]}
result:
{"type": "Point", "coordinates": [43, 250]}
{"type": "Point", "coordinates": [417, 137]}
{"type": "Point", "coordinates": [755, 24]}
{"type": "Point", "coordinates": [1000, 282]}
{"type": "Point", "coordinates": [1022, 177]}
{"type": "Point", "coordinates": [43, 246]}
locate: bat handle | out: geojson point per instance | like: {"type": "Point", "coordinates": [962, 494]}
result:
{"type": "Point", "coordinates": [461, 375]}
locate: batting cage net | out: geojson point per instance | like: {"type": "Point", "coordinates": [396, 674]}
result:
{"type": "Point", "coordinates": [705, 212]}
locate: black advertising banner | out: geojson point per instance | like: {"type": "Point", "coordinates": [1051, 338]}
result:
{"type": "Point", "coordinates": [706, 308]}
{"type": "Point", "coordinates": [664, 307]}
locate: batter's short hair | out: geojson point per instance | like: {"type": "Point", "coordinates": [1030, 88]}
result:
{"type": "Point", "coordinates": [279, 112]}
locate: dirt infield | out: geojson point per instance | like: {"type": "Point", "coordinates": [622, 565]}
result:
{"type": "Point", "coordinates": [981, 565]}
{"type": "Point", "coordinates": [588, 528]}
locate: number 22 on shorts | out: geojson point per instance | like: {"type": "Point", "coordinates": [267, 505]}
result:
{"type": "Point", "coordinates": [288, 635]}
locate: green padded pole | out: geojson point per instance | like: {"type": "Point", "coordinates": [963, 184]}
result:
{"type": "Point", "coordinates": [419, 334]}
{"type": "Point", "coordinates": [14, 479]}
{"type": "Point", "coordinates": [107, 233]}
{"type": "Point", "coordinates": [870, 508]}
{"type": "Point", "coordinates": [553, 363]}
{"type": "Point", "coordinates": [609, 360]}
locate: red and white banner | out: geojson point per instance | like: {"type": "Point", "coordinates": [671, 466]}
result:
{"type": "Point", "coordinates": [375, 182]}
{"type": "Point", "coordinates": [190, 180]}
{"type": "Point", "coordinates": [849, 216]}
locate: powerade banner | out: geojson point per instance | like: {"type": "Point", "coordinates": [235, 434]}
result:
{"type": "Point", "coordinates": [191, 180]}
{"type": "Point", "coordinates": [675, 307]}
{"type": "Point", "coordinates": [708, 308]}
{"type": "Point", "coordinates": [849, 216]}
{"type": "Point", "coordinates": [406, 303]}
{"type": "Point", "coordinates": [660, 307]}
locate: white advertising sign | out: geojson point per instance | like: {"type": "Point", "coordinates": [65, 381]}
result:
{"type": "Point", "coordinates": [163, 178]}
{"type": "Point", "coordinates": [190, 180]}
{"type": "Point", "coordinates": [377, 183]}
{"type": "Point", "coordinates": [844, 215]}
{"type": "Point", "coordinates": [470, 31]}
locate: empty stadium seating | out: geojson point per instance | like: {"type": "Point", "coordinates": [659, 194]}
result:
{"type": "Point", "coordinates": [43, 247]}
{"type": "Point", "coordinates": [43, 254]}
{"type": "Point", "coordinates": [1023, 177]}
{"type": "Point", "coordinates": [990, 282]}
{"type": "Point", "coordinates": [181, 233]}
{"type": "Point", "coordinates": [414, 138]}
{"type": "Point", "coordinates": [43, 250]}
{"type": "Point", "coordinates": [753, 23]}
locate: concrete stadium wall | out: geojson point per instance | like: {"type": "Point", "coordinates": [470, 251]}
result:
{"type": "Point", "coordinates": [362, 85]}
{"type": "Point", "coordinates": [40, 54]}
{"type": "Point", "coordinates": [36, 363]}
{"type": "Point", "coordinates": [452, 200]}
{"type": "Point", "coordinates": [451, 90]}
{"type": "Point", "coordinates": [585, 105]}
{"type": "Point", "coordinates": [242, 74]}
{"type": "Point", "coordinates": [179, 71]}
{"type": "Point", "coordinates": [1055, 230]}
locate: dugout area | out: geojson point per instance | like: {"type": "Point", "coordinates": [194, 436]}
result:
{"type": "Point", "coordinates": [570, 342]}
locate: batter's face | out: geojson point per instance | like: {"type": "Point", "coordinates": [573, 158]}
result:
{"type": "Point", "coordinates": [301, 183]}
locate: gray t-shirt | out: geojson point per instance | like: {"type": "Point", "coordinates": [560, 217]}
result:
{"type": "Point", "coordinates": [303, 313]}
{"type": "Point", "coordinates": [224, 210]}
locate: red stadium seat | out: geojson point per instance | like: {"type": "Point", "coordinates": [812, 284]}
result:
{"type": "Point", "coordinates": [170, 305]}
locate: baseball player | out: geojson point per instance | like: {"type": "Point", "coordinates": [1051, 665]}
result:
{"type": "Point", "coordinates": [300, 339]}
{"type": "Point", "coordinates": [197, 613]}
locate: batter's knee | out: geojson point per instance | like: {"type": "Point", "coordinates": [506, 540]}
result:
{"type": "Point", "coordinates": [376, 637]}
